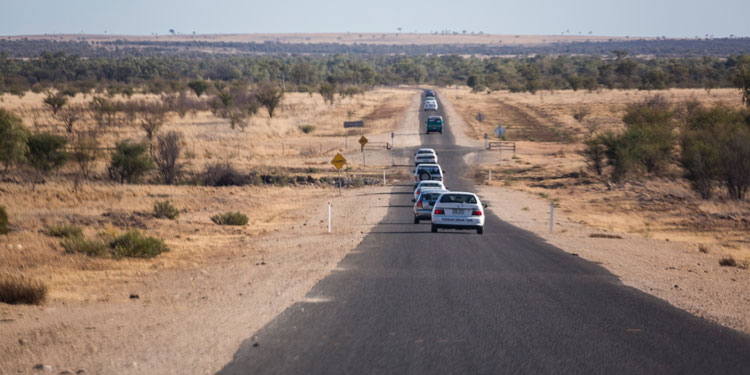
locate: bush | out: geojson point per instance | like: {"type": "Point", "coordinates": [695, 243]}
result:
{"type": "Point", "coordinates": [3, 221]}
{"type": "Point", "coordinates": [728, 262]}
{"type": "Point", "coordinates": [307, 129]}
{"type": "Point", "coordinates": [46, 152]}
{"type": "Point", "coordinates": [90, 247]}
{"type": "Point", "coordinates": [64, 231]}
{"type": "Point", "coordinates": [168, 148]}
{"type": "Point", "coordinates": [135, 245]}
{"type": "Point", "coordinates": [85, 152]}
{"type": "Point", "coordinates": [594, 154]}
{"type": "Point", "coordinates": [230, 218]}
{"type": "Point", "coordinates": [737, 164]}
{"type": "Point", "coordinates": [165, 209]}
{"type": "Point", "coordinates": [15, 290]}
{"type": "Point", "coordinates": [223, 174]}
{"type": "Point", "coordinates": [13, 139]}
{"type": "Point", "coordinates": [130, 161]}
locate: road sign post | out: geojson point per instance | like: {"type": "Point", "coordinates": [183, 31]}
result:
{"type": "Point", "coordinates": [363, 142]}
{"type": "Point", "coordinates": [347, 126]}
{"type": "Point", "coordinates": [338, 161]}
{"type": "Point", "coordinates": [393, 150]}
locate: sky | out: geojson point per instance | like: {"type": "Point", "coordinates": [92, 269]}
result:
{"type": "Point", "coordinates": [646, 18]}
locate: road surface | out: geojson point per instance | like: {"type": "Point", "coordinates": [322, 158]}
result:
{"type": "Point", "coordinates": [407, 301]}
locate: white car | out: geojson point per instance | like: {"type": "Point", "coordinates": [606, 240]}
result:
{"type": "Point", "coordinates": [424, 202]}
{"type": "Point", "coordinates": [430, 105]}
{"type": "Point", "coordinates": [427, 184]}
{"type": "Point", "coordinates": [431, 172]}
{"type": "Point", "coordinates": [458, 210]}
{"type": "Point", "coordinates": [425, 155]}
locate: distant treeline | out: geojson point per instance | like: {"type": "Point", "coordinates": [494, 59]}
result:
{"type": "Point", "coordinates": [157, 74]}
{"type": "Point", "coordinates": [635, 47]}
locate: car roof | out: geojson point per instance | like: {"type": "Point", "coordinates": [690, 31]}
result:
{"type": "Point", "coordinates": [434, 191]}
{"type": "Point", "coordinates": [428, 165]}
{"type": "Point", "coordinates": [430, 182]}
{"type": "Point", "coordinates": [462, 193]}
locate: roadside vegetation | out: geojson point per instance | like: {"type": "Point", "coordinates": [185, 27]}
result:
{"type": "Point", "coordinates": [20, 290]}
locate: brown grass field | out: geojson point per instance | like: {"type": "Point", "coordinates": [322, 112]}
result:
{"type": "Point", "coordinates": [267, 144]}
{"type": "Point", "coordinates": [547, 137]}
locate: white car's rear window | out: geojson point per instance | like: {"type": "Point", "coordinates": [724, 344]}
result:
{"type": "Point", "coordinates": [458, 198]}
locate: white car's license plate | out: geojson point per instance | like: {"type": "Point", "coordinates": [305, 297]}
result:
{"type": "Point", "coordinates": [458, 211]}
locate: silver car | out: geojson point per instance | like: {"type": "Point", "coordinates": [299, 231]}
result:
{"type": "Point", "coordinates": [423, 204]}
{"type": "Point", "coordinates": [430, 105]}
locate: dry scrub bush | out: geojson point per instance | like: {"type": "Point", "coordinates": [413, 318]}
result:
{"type": "Point", "coordinates": [168, 148]}
{"type": "Point", "coordinates": [165, 209]}
{"type": "Point", "coordinates": [129, 162]}
{"type": "Point", "coordinates": [3, 221]}
{"type": "Point", "coordinates": [18, 290]}
{"type": "Point", "coordinates": [223, 174]}
{"type": "Point", "coordinates": [230, 218]}
{"type": "Point", "coordinates": [64, 231]}
{"type": "Point", "coordinates": [131, 244]}
{"type": "Point", "coordinates": [727, 262]}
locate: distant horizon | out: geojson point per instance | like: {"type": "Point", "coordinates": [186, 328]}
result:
{"type": "Point", "coordinates": [637, 18]}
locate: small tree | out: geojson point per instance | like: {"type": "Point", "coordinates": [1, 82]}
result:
{"type": "Point", "coordinates": [736, 159]}
{"type": "Point", "coordinates": [741, 78]}
{"type": "Point", "coordinates": [168, 147]}
{"type": "Point", "coordinates": [13, 139]}
{"type": "Point", "coordinates": [269, 95]}
{"type": "Point", "coordinates": [580, 113]}
{"type": "Point", "coordinates": [85, 152]}
{"type": "Point", "coordinates": [328, 92]}
{"type": "Point", "coordinates": [103, 111]}
{"type": "Point", "coordinates": [151, 117]}
{"type": "Point", "coordinates": [46, 152]}
{"type": "Point", "coordinates": [594, 152]}
{"type": "Point", "coordinates": [702, 162]}
{"type": "Point", "coordinates": [70, 115]}
{"type": "Point", "coordinates": [55, 101]}
{"type": "Point", "coordinates": [199, 87]}
{"type": "Point", "coordinates": [130, 161]}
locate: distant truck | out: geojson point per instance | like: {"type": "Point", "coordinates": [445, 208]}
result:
{"type": "Point", "coordinates": [435, 124]}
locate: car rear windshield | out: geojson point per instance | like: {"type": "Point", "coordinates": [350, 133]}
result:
{"type": "Point", "coordinates": [458, 198]}
{"type": "Point", "coordinates": [435, 121]}
{"type": "Point", "coordinates": [430, 197]}
{"type": "Point", "coordinates": [430, 170]}
{"type": "Point", "coordinates": [425, 152]}
{"type": "Point", "coordinates": [431, 184]}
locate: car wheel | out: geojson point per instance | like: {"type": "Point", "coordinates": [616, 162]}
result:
{"type": "Point", "coordinates": [433, 229]}
{"type": "Point", "coordinates": [480, 230]}
{"type": "Point", "coordinates": [416, 221]}
{"type": "Point", "coordinates": [424, 176]}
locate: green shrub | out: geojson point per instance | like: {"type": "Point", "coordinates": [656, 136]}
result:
{"type": "Point", "coordinates": [165, 209]}
{"type": "Point", "coordinates": [130, 161]}
{"type": "Point", "coordinates": [15, 290]}
{"type": "Point", "coordinates": [136, 245]}
{"type": "Point", "coordinates": [90, 247]}
{"type": "Point", "coordinates": [307, 129]}
{"type": "Point", "coordinates": [64, 231]}
{"type": "Point", "coordinates": [230, 218]}
{"type": "Point", "coordinates": [46, 152]}
{"type": "Point", "coordinates": [13, 139]}
{"type": "Point", "coordinates": [3, 221]}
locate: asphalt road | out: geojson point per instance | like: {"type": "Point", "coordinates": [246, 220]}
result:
{"type": "Point", "coordinates": [408, 301]}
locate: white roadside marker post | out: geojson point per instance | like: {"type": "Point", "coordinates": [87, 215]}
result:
{"type": "Point", "coordinates": [490, 176]}
{"type": "Point", "coordinates": [551, 216]}
{"type": "Point", "coordinates": [393, 150]}
{"type": "Point", "coordinates": [384, 177]}
{"type": "Point", "coordinates": [329, 216]}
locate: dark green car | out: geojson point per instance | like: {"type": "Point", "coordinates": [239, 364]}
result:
{"type": "Point", "coordinates": [435, 124]}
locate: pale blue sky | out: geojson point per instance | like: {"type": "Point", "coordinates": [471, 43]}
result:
{"type": "Point", "coordinates": [672, 18]}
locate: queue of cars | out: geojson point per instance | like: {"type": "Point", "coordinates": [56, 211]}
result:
{"type": "Point", "coordinates": [433, 201]}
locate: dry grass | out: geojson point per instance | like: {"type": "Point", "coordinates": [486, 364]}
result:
{"type": "Point", "coordinates": [550, 116]}
{"type": "Point", "coordinates": [665, 209]}
{"type": "Point", "coordinates": [277, 141]}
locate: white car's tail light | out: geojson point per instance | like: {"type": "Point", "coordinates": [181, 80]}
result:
{"type": "Point", "coordinates": [439, 211]}
{"type": "Point", "coordinates": [476, 213]}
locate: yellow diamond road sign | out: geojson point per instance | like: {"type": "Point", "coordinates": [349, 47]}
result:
{"type": "Point", "coordinates": [338, 161]}
{"type": "Point", "coordinates": [363, 140]}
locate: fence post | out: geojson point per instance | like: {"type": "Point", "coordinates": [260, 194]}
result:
{"type": "Point", "coordinates": [551, 216]}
